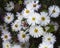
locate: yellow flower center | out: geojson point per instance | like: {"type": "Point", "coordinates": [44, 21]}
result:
{"type": "Point", "coordinates": [49, 39]}
{"type": "Point", "coordinates": [8, 17]}
{"type": "Point", "coordinates": [27, 11]}
{"type": "Point", "coordinates": [43, 18]}
{"type": "Point", "coordinates": [6, 36]}
{"type": "Point", "coordinates": [33, 19]}
{"type": "Point", "coordinates": [7, 46]}
{"type": "Point", "coordinates": [45, 47]}
{"type": "Point", "coordinates": [23, 35]}
{"type": "Point", "coordinates": [34, 5]}
{"type": "Point", "coordinates": [16, 25]}
{"type": "Point", "coordinates": [35, 30]}
{"type": "Point", "coordinates": [53, 11]}
{"type": "Point", "coordinates": [3, 27]}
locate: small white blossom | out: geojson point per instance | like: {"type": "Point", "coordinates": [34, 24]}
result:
{"type": "Point", "coordinates": [8, 18]}
{"type": "Point", "coordinates": [23, 37]}
{"type": "Point", "coordinates": [36, 31]}
{"type": "Point", "coordinates": [49, 38]}
{"type": "Point", "coordinates": [6, 44]}
{"type": "Point", "coordinates": [9, 6]}
{"type": "Point", "coordinates": [33, 18]}
{"type": "Point", "coordinates": [16, 26]}
{"type": "Point", "coordinates": [25, 45]}
{"type": "Point", "coordinates": [54, 11]}
{"type": "Point", "coordinates": [44, 18]}
{"type": "Point", "coordinates": [19, 16]}
{"type": "Point", "coordinates": [45, 45]}
{"type": "Point", "coordinates": [33, 5]}
{"type": "Point", "coordinates": [6, 36]}
{"type": "Point", "coordinates": [3, 27]}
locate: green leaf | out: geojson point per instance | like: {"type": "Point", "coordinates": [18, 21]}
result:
{"type": "Point", "coordinates": [51, 29]}
{"type": "Point", "coordinates": [44, 10]}
{"type": "Point", "coordinates": [32, 45]}
{"type": "Point", "coordinates": [20, 1]}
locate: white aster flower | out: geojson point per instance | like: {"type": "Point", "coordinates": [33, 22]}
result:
{"type": "Point", "coordinates": [33, 18]}
{"type": "Point", "coordinates": [29, 1]}
{"type": "Point", "coordinates": [6, 36]}
{"type": "Point", "coordinates": [23, 37]}
{"type": "Point", "coordinates": [26, 12]}
{"type": "Point", "coordinates": [44, 18]}
{"type": "Point", "coordinates": [54, 11]}
{"type": "Point", "coordinates": [16, 46]}
{"type": "Point", "coordinates": [19, 16]}
{"type": "Point", "coordinates": [56, 26]}
{"type": "Point", "coordinates": [16, 26]}
{"type": "Point", "coordinates": [36, 31]}
{"type": "Point", "coordinates": [8, 18]}
{"type": "Point", "coordinates": [45, 45]}
{"type": "Point", "coordinates": [33, 5]}
{"type": "Point", "coordinates": [49, 38]}
{"type": "Point", "coordinates": [25, 45]}
{"type": "Point", "coordinates": [9, 6]}
{"type": "Point", "coordinates": [3, 27]}
{"type": "Point", "coordinates": [6, 44]}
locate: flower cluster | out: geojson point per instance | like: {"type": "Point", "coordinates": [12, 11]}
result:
{"type": "Point", "coordinates": [29, 23]}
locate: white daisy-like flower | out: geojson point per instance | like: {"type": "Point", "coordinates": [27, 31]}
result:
{"type": "Point", "coordinates": [45, 45]}
{"type": "Point", "coordinates": [9, 6]}
{"type": "Point", "coordinates": [36, 31]}
{"type": "Point", "coordinates": [33, 18]}
{"type": "Point", "coordinates": [8, 18]}
{"type": "Point", "coordinates": [29, 1]}
{"type": "Point", "coordinates": [25, 45]}
{"type": "Point", "coordinates": [6, 36]}
{"type": "Point", "coordinates": [19, 16]}
{"type": "Point", "coordinates": [3, 27]}
{"type": "Point", "coordinates": [23, 37]}
{"type": "Point", "coordinates": [26, 12]}
{"type": "Point", "coordinates": [56, 26]}
{"type": "Point", "coordinates": [6, 44]}
{"type": "Point", "coordinates": [33, 5]}
{"type": "Point", "coordinates": [54, 11]}
{"type": "Point", "coordinates": [46, 28]}
{"type": "Point", "coordinates": [44, 18]}
{"type": "Point", "coordinates": [49, 38]}
{"type": "Point", "coordinates": [16, 46]}
{"type": "Point", "coordinates": [16, 26]}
